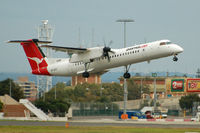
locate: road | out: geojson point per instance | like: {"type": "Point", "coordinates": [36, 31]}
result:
{"type": "Point", "coordinates": [106, 122]}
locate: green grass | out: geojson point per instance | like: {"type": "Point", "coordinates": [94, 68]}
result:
{"type": "Point", "coordinates": [52, 129]}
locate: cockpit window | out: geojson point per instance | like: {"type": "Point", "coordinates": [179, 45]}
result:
{"type": "Point", "coordinates": [162, 43]}
{"type": "Point", "coordinates": [168, 42]}
{"type": "Point", "coordinates": [165, 43]}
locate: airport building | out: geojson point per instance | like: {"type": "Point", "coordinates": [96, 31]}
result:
{"type": "Point", "coordinates": [168, 86]}
{"type": "Point", "coordinates": [94, 78]}
{"type": "Point", "coordinates": [29, 88]}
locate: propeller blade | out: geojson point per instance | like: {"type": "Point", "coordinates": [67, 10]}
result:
{"type": "Point", "coordinates": [112, 52]}
{"type": "Point", "coordinates": [110, 43]}
{"type": "Point", "coordinates": [108, 58]}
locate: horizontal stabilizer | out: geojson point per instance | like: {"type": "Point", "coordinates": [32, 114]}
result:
{"type": "Point", "coordinates": [28, 41]}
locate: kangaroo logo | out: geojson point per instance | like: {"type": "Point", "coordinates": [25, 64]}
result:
{"type": "Point", "coordinates": [37, 60]}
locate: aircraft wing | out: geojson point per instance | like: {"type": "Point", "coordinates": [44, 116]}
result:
{"type": "Point", "coordinates": [69, 50]}
{"type": "Point", "coordinates": [79, 54]}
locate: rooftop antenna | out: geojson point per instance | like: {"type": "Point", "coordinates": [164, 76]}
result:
{"type": "Point", "coordinates": [92, 43]}
{"type": "Point", "coordinates": [79, 36]}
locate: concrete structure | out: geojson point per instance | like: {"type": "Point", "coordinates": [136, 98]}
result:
{"type": "Point", "coordinates": [11, 108]}
{"type": "Point", "coordinates": [38, 112]}
{"type": "Point", "coordinates": [171, 103]}
{"type": "Point", "coordinates": [94, 78]}
{"type": "Point", "coordinates": [24, 110]}
{"type": "Point", "coordinates": [29, 88]}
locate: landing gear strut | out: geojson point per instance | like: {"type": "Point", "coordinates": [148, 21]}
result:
{"type": "Point", "coordinates": [127, 75]}
{"type": "Point", "coordinates": [175, 58]}
{"type": "Point", "coordinates": [86, 74]}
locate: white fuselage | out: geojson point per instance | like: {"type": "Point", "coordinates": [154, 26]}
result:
{"type": "Point", "coordinates": [120, 57]}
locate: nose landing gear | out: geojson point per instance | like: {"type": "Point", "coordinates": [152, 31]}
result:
{"type": "Point", "coordinates": [175, 58]}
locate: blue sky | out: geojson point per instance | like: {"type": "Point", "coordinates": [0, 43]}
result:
{"type": "Point", "coordinates": [176, 20]}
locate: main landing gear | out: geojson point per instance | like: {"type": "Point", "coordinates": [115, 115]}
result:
{"type": "Point", "coordinates": [175, 58]}
{"type": "Point", "coordinates": [127, 75]}
{"type": "Point", "coordinates": [86, 74]}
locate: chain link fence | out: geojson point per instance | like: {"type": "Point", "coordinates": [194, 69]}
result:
{"type": "Point", "coordinates": [95, 109]}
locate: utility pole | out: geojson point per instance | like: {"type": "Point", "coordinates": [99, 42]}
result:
{"type": "Point", "coordinates": [125, 83]}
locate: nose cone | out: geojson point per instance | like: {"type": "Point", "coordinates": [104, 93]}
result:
{"type": "Point", "coordinates": [180, 49]}
{"type": "Point", "coordinates": [177, 49]}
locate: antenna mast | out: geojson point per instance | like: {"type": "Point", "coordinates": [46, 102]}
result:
{"type": "Point", "coordinates": [45, 33]}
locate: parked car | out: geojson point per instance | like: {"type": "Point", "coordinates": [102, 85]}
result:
{"type": "Point", "coordinates": [164, 115]}
{"type": "Point", "coordinates": [157, 115]}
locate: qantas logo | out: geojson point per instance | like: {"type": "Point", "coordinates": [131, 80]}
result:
{"type": "Point", "coordinates": [37, 60]}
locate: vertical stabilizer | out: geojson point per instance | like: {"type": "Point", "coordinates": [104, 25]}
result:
{"type": "Point", "coordinates": [35, 55]}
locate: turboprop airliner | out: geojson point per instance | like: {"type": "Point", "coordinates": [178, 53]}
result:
{"type": "Point", "coordinates": [93, 60]}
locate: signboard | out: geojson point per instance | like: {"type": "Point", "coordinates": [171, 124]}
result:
{"type": "Point", "coordinates": [177, 85]}
{"type": "Point", "coordinates": [193, 85]}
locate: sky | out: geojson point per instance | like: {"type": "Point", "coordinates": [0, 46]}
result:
{"type": "Point", "coordinates": [176, 20]}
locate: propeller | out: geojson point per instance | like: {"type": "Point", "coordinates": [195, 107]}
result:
{"type": "Point", "coordinates": [106, 50]}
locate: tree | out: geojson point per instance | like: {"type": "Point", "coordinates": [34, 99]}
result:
{"type": "Point", "coordinates": [134, 90]}
{"type": "Point", "coordinates": [61, 104]}
{"type": "Point", "coordinates": [1, 106]}
{"type": "Point", "coordinates": [16, 91]}
{"type": "Point", "coordinates": [56, 106]}
{"type": "Point", "coordinates": [80, 93]}
{"type": "Point", "coordinates": [113, 92]}
{"type": "Point", "coordinates": [186, 102]}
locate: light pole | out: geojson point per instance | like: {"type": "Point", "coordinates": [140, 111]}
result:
{"type": "Point", "coordinates": [155, 96]}
{"type": "Point", "coordinates": [55, 91]}
{"type": "Point", "coordinates": [125, 83]}
{"type": "Point", "coordinates": [125, 21]}
{"type": "Point", "coordinates": [10, 89]}
{"type": "Point", "coordinates": [141, 87]}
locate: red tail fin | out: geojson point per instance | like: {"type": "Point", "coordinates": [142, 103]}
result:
{"type": "Point", "coordinates": [35, 56]}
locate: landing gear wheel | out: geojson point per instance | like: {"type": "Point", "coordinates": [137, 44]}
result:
{"type": "Point", "coordinates": [175, 58]}
{"type": "Point", "coordinates": [86, 74]}
{"type": "Point", "coordinates": [127, 75]}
